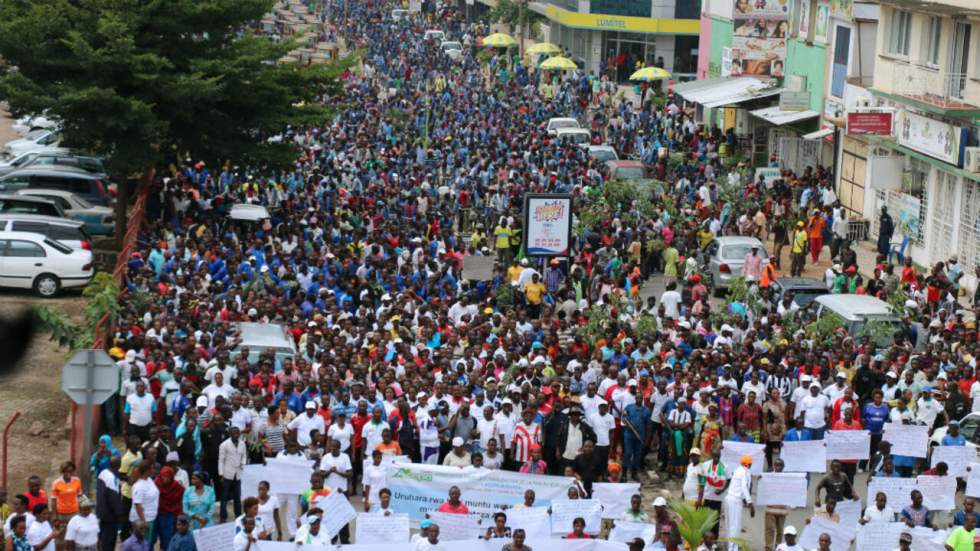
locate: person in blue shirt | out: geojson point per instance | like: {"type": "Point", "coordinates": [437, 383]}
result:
{"type": "Point", "coordinates": [953, 436]}
{"type": "Point", "coordinates": [875, 415]}
{"type": "Point", "coordinates": [959, 517]}
{"type": "Point", "coordinates": [635, 419]}
{"type": "Point", "coordinates": [798, 433]}
{"type": "Point", "coordinates": [741, 436]}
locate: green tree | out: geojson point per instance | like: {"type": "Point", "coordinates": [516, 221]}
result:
{"type": "Point", "coordinates": [516, 15]}
{"type": "Point", "coordinates": [144, 82]}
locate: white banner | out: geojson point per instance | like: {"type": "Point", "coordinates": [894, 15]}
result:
{"type": "Point", "coordinates": [535, 521]}
{"type": "Point", "coordinates": [879, 536]}
{"type": "Point", "coordinates": [787, 489]}
{"type": "Point", "coordinates": [907, 440]}
{"type": "Point", "coordinates": [957, 458]}
{"type": "Point", "coordinates": [848, 444]}
{"type": "Point", "coordinates": [840, 535]}
{"type": "Point", "coordinates": [564, 512]}
{"type": "Point", "coordinates": [927, 539]}
{"type": "Point", "coordinates": [418, 489]}
{"type": "Point", "coordinates": [806, 456]}
{"type": "Point", "coordinates": [453, 527]}
{"type": "Point", "coordinates": [378, 528]}
{"type": "Point", "coordinates": [732, 452]}
{"type": "Point", "coordinates": [214, 538]}
{"type": "Point", "coordinates": [897, 490]}
{"type": "Point", "coordinates": [850, 511]}
{"type": "Point", "coordinates": [290, 476]}
{"type": "Point", "coordinates": [548, 224]}
{"type": "Point", "coordinates": [541, 544]}
{"type": "Point", "coordinates": [626, 532]}
{"type": "Point", "coordinates": [938, 492]}
{"type": "Point", "coordinates": [973, 480]}
{"type": "Point", "coordinates": [615, 497]}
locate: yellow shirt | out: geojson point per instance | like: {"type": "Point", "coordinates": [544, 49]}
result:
{"type": "Point", "coordinates": [128, 461]}
{"type": "Point", "coordinates": [534, 292]}
{"type": "Point", "coordinates": [799, 241]}
{"type": "Point", "coordinates": [514, 273]}
{"type": "Point", "coordinates": [503, 237]}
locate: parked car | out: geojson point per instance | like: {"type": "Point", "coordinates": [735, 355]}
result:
{"type": "Point", "coordinates": [724, 258]}
{"type": "Point", "coordinates": [9, 165]}
{"type": "Point", "coordinates": [61, 157]}
{"type": "Point", "coordinates": [856, 311]}
{"type": "Point", "coordinates": [578, 136]}
{"type": "Point", "coordinates": [261, 337]}
{"type": "Point", "coordinates": [25, 124]}
{"type": "Point", "coordinates": [555, 123]}
{"type": "Point", "coordinates": [64, 230]}
{"type": "Point", "coordinates": [399, 14]}
{"type": "Point", "coordinates": [628, 170]}
{"type": "Point", "coordinates": [32, 261]}
{"type": "Point", "coordinates": [35, 140]}
{"type": "Point", "coordinates": [452, 49]}
{"type": "Point", "coordinates": [804, 289]}
{"type": "Point", "coordinates": [435, 35]}
{"type": "Point", "coordinates": [81, 183]}
{"type": "Point", "coordinates": [98, 219]}
{"type": "Point", "coordinates": [12, 203]}
{"type": "Point", "coordinates": [603, 153]}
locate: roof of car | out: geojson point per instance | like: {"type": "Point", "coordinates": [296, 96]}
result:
{"type": "Point", "coordinates": [42, 218]}
{"type": "Point", "coordinates": [26, 198]}
{"type": "Point", "coordinates": [52, 170]}
{"type": "Point", "coordinates": [738, 240]}
{"type": "Point", "coordinates": [800, 283]}
{"type": "Point", "coordinates": [36, 192]}
{"type": "Point", "coordinates": [862, 304]}
{"type": "Point", "coordinates": [624, 163]}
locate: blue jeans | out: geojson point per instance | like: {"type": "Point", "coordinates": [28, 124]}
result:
{"type": "Point", "coordinates": [817, 434]}
{"type": "Point", "coordinates": [632, 452]}
{"type": "Point", "coordinates": [163, 530]}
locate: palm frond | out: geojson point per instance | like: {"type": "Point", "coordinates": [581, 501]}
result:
{"type": "Point", "coordinates": [693, 523]}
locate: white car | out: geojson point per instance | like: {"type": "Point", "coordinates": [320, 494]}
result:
{"type": "Point", "coordinates": [453, 49]}
{"type": "Point", "coordinates": [35, 140]}
{"type": "Point", "coordinates": [63, 230]}
{"type": "Point", "coordinates": [98, 219]}
{"type": "Point", "coordinates": [556, 123]}
{"type": "Point", "coordinates": [399, 14]}
{"type": "Point", "coordinates": [434, 34]}
{"type": "Point", "coordinates": [579, 136]}
{"type": "Point", "coordinates": [244, 212]}
{"type": "Point", "coordinates": [25, 124]}
{"type": "Point", "coordinates": [33, 261]}
{"type": "Point", "coordinates": [603, 153]}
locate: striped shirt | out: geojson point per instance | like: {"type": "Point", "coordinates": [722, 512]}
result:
{"type": "Point", "coordinates": [525, 437]}
{"type": "Point", "coordinates": [274, 435]}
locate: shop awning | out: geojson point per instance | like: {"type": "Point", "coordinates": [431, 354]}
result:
{"type": "Point", "coordinates": [777, 117]}
{"type": "Point", "coordinates": [718, 92]}
{"type": "Point", "coordinates": [819, 134]}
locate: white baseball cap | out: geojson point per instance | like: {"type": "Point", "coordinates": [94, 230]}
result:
{"type": "Point", "coordinates": [458, 441]}
{"type": "Point", "coordinates": [660, 502]}
{"type": "Point", "coordinates": [310, 404]}
{"type": "Point", "coordinates": [789, 531]}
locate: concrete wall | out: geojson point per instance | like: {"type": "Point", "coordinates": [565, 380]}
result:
{"type": "Point", "coordinates": [802, 59]}
{"type": "Point", "coordinates": [721, 38]}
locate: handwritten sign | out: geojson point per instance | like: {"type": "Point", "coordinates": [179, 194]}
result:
{"type": "Point", "coordinates": [615, 497]}
{"type": "Point", "coordinates": [848, 444]}
{"type": "Point", "coordinates": [809, 456]}
{"type": "Point", "coordinates": [907, 440]}
{"type": "Point", "coordinates": [732, 452]}
{"type": "Point", "coordinates": [850, 512]}
{"type": "Point", "coordinates": [927, 539]}
{"type": "Point", "coordinates": [214, 538]}
{"type": "Point", "coordinates": [289, 476]}
{"type": "Point", "coordinates": [840, 535]}
{"type": "Point", "coordinates": [896, 490]}
{"type": "Point", "coordinates": [973, 480]}
{"type": "Point", "coordinates": [378, 528]}
{"type": "Point", "coordinates": [938, 492]}
{"type": "Point", "coordinates": [786, 489]}
{"type": "Point", "coordinates": [454, 527]}
{"type": "Point", "coordinates": [879, 536]}
{"type": "Point", "coordinates": [337, 513]}
{"type": "Point", "coordinates": [564, 512]}
{"type": "Point", "coordinates": [535, 521]}
{"type": "Point", "coordinates": [957, 458]}
{"type": "Point", "coordinates": [627, 531]}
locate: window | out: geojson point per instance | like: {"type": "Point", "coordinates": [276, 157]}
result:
{"type": "Point", "coordinates": [842, 51]}
{"type": "Point", "coordinates": [629, 8]}
{"type": "Point", "coordinates": [899, 33]}
{"type": "Point", "coordinates": [934, 30]}
{"type": "Point", "coordinates": [23, 249]}
{"type": "Point", "coordinates": [959, 59]}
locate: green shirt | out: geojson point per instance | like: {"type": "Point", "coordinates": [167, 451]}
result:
{"type": "Point", "coordinates": [960, 539]}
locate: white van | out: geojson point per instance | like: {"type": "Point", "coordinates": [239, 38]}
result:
{"type": "Point", "coordinates": [578, 136]}
{"type": "Point", "coordinates": [557, 123]}
{"type": "Point", "coordinates": [855, 310]}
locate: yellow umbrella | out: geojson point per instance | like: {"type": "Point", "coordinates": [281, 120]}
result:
{"type": "Point", "coordinates": [544, 48]}
{"type": "Point", "coordinates": [499, 40]}
{"type": "Point", "coordinates": [558, 63]}
{"type": "Point", "coordinates": [650, 73]}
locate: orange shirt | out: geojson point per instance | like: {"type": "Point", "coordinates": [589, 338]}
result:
{"type": "Point", "coordinates": [66, 495]}
{"type": "Point", "coordinates": [817, 224]}
{"type": "Point", "coordinates": [389, 449]}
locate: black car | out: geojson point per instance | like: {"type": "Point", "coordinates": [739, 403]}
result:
{"type": "Point", "coordinates": [805, 290]}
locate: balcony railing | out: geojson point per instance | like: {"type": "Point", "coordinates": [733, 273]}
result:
{"type": "Point", "coordinates": [940, 88]}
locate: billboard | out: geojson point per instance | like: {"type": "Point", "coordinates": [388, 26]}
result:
{"type": "Point", "coordinates": [877, 123]}
{"type": "Point", "coordinates": [547, 224]}
{"type": "Point", "coordinates": [759, 40]}
{"type": "Point", "coordinates": [930, 136]}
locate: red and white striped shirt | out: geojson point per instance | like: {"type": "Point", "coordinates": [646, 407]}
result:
{"type": "Point", "coordinates": [525, 438]}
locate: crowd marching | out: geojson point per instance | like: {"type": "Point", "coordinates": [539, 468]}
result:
{"type": "Point", "coordinates": [554, 367]}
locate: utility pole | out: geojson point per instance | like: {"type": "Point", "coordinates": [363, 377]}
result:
{"type": "Point", "coordinates": [523, 19]}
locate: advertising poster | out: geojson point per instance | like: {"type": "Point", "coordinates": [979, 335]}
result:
{"type": "Point", "coordinates": [759, 41]}
{"type": "Point", "coordinates": [804, 29]}
{"type": "Point", "coordinates": [930, 136]}
{"type": "Point", "coordinates": [547, 224]}
{"type": "Point", "coordinates": [821, 27]}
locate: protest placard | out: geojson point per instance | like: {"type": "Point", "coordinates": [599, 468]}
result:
{"type": "Point", "coordinates": [850, 512]}
{"type": "Point", "coordinates": [732, 452]}
{"type": "Point", "coordinates": [625, 531]}
{"type": "Point", "coordinates": [938, 492]}
{"type": "Point", "coordinates": [378, 528]}
{"type": "Point", "coordinates": [927, 539]}
{"type": "Point", "coordinates": [453, 527]}
{"type": "Point", "coordinates": [615, 497]}
{"type": "Point", "coordinates": [786, 489]}
{"type": "Point", "coordinates": [478, 268]}
{"type": "Point", "coordinates": [535, 521]}
{"type": "Point", "coordinates": [565, 511]}
{"type": "Point", "coordinates": [286, 476]}
{"type": "Point", "coordinates": [840, 535]}
{"type": "Point", "coordinates": [973, 480]}
{"type": "Point", "coordinates": [908, 440]}
{"type": "Point", "coordinates": [897, 490]}
{"type": "Point", "coordinates": [848, 444]}
{"type": "Point", "coordinates": [957, 458]}
{"type": "Point", "coordinates": [337, 513]}
{"type": "Point", "coordinates": [214, 538]}
{"type": "Point", "coordinates": [808, 456]}
{"type": "Point", "coordinates": [879, 536]}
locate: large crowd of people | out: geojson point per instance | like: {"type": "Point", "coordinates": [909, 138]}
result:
{"type": "Point", "coordinates": [550, 366]}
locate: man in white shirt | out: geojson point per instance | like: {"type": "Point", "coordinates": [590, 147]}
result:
{"type": "Point", "coordinates": [218, 387]}
{"type": "Point", "coordinates": [799, 393]}
{"type": "Point", "coordinates": [738, 493]}
{"type": "Point", "coordinates": [487, 427]}
{"type": "Point", "coordinates": [336, 468]}
{"type": "Point", "coordinates": [232, 456]}
{"type": "Point", "coordinates": [602, 423]}
{"type": "Point", "coordinates": [41, 535]}
{"type": "Point", "coordinates": [371, 431]}
{"type": "Point", "coordinates": [138, 412]}
{"type": "Point", "coordinates": [789, 540]}
{"type": "Point", "coordinates": [506, 423]}
{"type": "Point", "coordinates": [302, 425]}
{"type": "Point", "coordinates": [975, 394]}
{"type": "Point", "coordinates": [671, 300]}
{"type": "Point", "coordinates": [879, 511]}
{"type": "Point", "coordinates": [815, 412]}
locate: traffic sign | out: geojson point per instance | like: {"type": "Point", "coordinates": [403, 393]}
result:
{"type": "Point", "coordinates": [90, 377]}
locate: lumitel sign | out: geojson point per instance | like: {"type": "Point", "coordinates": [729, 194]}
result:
{"type": "Point", "coordinates": [879, 123]}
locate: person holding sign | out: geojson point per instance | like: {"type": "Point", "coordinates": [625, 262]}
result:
{"type": "Point", "coordinates": [738, 493]}
{"type": "Point", "coordinates": [836, 485]}
{"type": "Point", "coordinates": [309, 533]}
{"type": "Point", "coordinates": [578, 530]}
{"type": "Point", "coordinates": [517, 544]}
{"type": "Point", "coordinates": [916, 514]}
{"type": "Point", "coordinates": [879, 511]}
{"type": "Point", "coordinates": [712, 484]}
{"type": "Point", "coordinates": [499, 528]}
{"type": "Point", "coordinates": [247, 538]}
{"type": "Point", "coordinates": [431, 540]}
